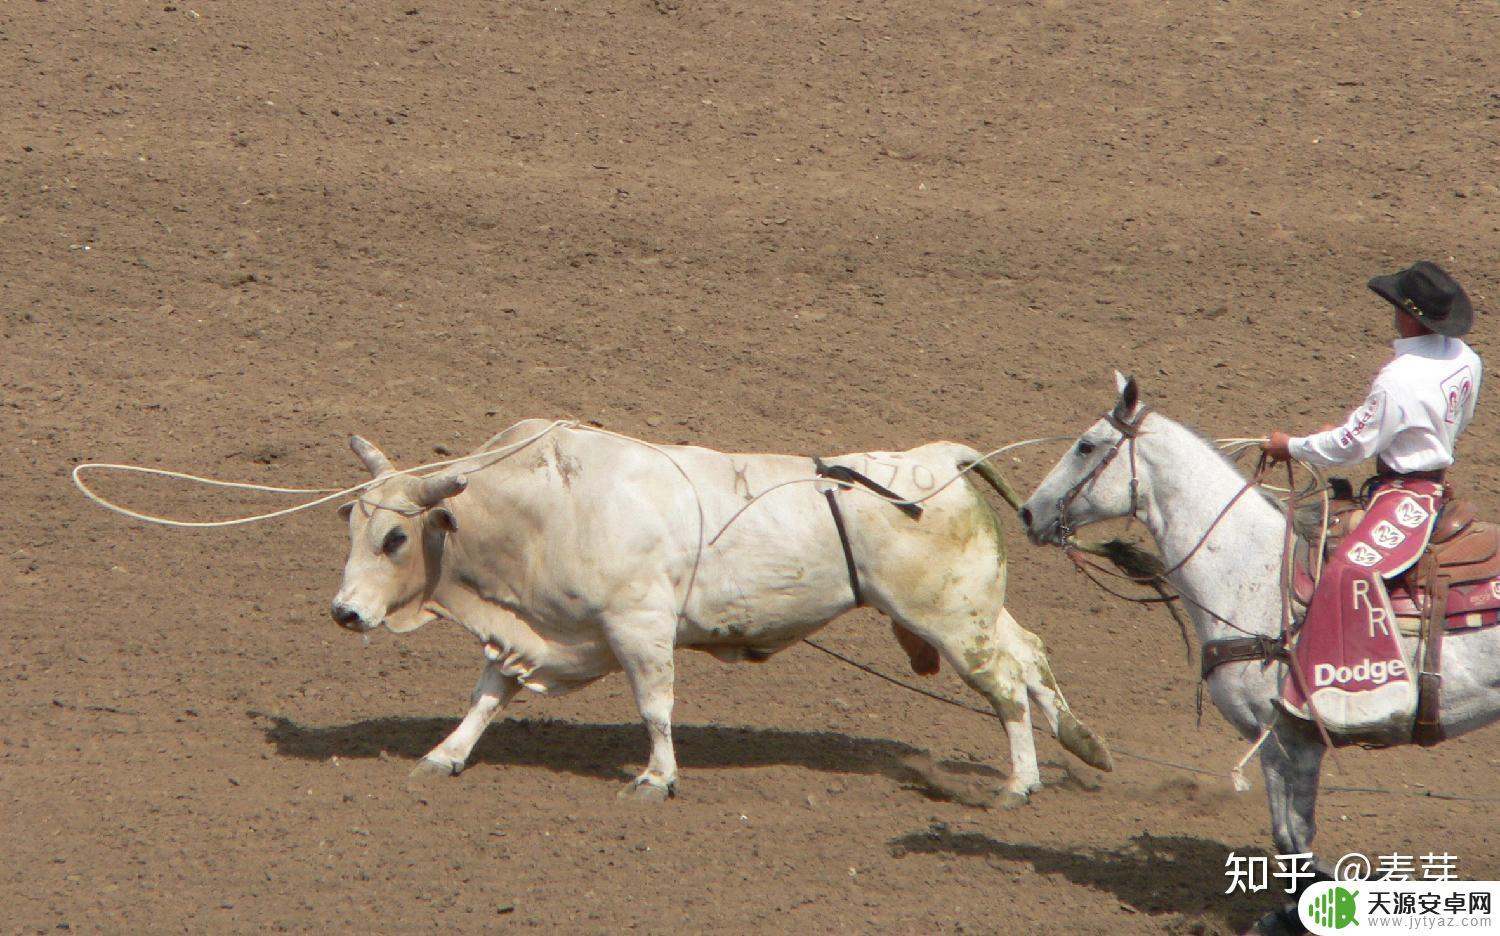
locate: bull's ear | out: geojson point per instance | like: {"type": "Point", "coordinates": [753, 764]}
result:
{"type": "Point", "coordinates": [443, 518]}
{"type": "Point", "coordinates": [1130, 396]}
{"type": "Point", "coordinates": [437, 488]}
{"type": "Point", "coordinates": [345, 510]}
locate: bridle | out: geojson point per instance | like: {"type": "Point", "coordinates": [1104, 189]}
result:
{"type": "Point", "coordinates": [1250, 647]}
{"type": "Point", "coordinates": [1129, 430]}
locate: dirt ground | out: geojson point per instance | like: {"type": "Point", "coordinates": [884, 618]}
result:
{"type": "Point", "coordinates": [231, 234]}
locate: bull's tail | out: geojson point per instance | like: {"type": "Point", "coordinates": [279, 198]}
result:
{"type": "Point", "coordinates": [972, 460]}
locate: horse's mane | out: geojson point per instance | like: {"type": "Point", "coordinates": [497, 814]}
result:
{"type": "Point", "coordinates": [1308, 519]}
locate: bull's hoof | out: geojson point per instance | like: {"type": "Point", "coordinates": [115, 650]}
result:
{"type": "Point", "coordinates": [644, 790]}
{"type": "Point", "coordinates": [1085, 745]}
{"type": "Point", "coordinates": [1010, 799]}
{"type": "Point", "coordinates": [432, 767]}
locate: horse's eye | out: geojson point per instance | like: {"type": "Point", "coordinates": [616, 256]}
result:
{"type": "Point", "coordinates": [1085, 447]}
{"type": "Point", "coordinates": [393, 541]}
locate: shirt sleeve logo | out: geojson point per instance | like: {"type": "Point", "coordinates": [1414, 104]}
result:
{"type": "Point", "coordinates": [1457, 389]}
{"type": "Point", "coordinates": [1358, 422]}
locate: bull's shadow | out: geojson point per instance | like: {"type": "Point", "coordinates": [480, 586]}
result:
{"type": "Point", "coordinates": [1177, 875]}
{"type": "Point", "coordinates": [607, 751]}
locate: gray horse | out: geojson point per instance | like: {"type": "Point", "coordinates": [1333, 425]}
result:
{"type": "Point", "coordinates": [1135, 461]}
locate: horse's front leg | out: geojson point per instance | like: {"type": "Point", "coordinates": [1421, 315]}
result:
{"type": "Point", "coordinates": [1291, 760]}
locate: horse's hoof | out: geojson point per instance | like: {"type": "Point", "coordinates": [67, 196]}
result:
{"type": "Point", "coordinates": [429, 767]}
{"type": "Point", "coordinates": [1010, 799]}
{"type": "Point", "coordinates": [1283, 921]}
{"type": "Point", "coordinates": [648, 791]}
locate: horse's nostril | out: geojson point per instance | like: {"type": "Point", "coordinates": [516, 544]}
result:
{"type": "Point", "coordinates": [1026, 516]}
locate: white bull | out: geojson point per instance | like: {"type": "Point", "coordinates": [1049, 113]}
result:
{"type": "Point", "coordinates": [575, 553]}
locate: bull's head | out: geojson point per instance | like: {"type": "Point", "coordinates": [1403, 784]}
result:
{"type": "Point", "coordinates": [396, 531]}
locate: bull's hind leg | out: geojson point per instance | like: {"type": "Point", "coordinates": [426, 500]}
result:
{"type": "Point", "coordinates": [642, 643]}
{"type": "Point", "coordinates": [1041, 685]}
{"type": "Point", "coordinates": [985, 657]}
{"type": "Point", "coordinates": [493, 692]}
{"type": "Point", "coordinates": [1000, 680]}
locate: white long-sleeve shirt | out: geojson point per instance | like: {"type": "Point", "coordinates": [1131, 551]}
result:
{"type": "Point", "coordinates": [1418, 405]}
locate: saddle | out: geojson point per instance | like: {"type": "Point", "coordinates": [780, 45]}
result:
{"type": "Point", "coordinates": [1455, 585]}
{"type": "Point", "coordinates": [1463, 550]}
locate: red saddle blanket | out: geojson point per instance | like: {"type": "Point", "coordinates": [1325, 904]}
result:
{"type": "Point", "coordinates": [1476, 604]}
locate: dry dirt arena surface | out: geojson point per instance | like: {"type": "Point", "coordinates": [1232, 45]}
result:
{"type": "Point", "coordinates": [232, 233]}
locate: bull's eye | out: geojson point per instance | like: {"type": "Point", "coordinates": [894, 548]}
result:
{"type": "Point", "coordinates": [1085, 447]}
{"type": "Point", "coordinates": [393, 540]}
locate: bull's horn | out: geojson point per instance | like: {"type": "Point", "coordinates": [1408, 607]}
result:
{"type": "Point", "coordinates": [373, 458]}
{"type": "Point", "coordinates": [438, 487]}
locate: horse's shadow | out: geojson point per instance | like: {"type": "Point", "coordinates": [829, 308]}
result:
{"type": "Point", "coordinates": [1149, 874]}
{"type": "Point", "coordinates": [607, 751]}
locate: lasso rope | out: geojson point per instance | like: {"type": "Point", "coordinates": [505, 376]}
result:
{"type": "Point", "coordinates": [894, 500]}
{"type": "Point", "coordinates": [1187, 768]}
{"type": "Point", "coordinates": [330, 494]}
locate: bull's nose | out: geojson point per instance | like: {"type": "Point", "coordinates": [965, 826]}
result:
{"type": "Point", "coordinates": [1026, 517]}
{"type": "Point", "coordinates": [345, 615]}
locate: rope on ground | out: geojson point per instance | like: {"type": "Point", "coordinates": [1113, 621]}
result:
{"type": "Point", "coordinates": [863, 667]}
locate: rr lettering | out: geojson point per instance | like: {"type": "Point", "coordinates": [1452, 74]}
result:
{"type": "Point", "coordinates": [1376, 613]}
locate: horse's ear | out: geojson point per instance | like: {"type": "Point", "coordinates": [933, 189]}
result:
{"type": "Point", "coordinates": [1130, 396]}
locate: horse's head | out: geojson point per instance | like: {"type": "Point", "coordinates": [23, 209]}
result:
{"type": "Point", "coordinates": [1096, 479]}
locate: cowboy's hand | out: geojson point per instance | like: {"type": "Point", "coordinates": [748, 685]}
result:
{"type": "Point", "coordinates": [1276, 447]}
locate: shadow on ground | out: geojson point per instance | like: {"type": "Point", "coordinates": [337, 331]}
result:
{"type": "Point", "coordinates": [615, 751]}
{"type": "Point", "coordinates": [1176, 875]}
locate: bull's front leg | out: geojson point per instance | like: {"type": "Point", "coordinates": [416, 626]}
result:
{"type": "Point", "coordinates": [492, 693]}
{"type": "Point", "coordinates": [643, 644]}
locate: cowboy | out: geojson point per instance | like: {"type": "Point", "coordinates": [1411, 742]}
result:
{"type": "Point", "coordinates": [1348, 653]}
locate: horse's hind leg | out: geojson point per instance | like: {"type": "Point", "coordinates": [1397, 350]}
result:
{"type": "Point", "coordinates": [1042, 686]}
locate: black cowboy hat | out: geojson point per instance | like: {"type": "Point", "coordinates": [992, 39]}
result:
{"type": "Point", "coordinates": [1429, 295]}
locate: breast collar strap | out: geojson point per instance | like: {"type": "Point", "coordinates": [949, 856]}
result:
{"type": "Point", "coordinates": [1129, 430]}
